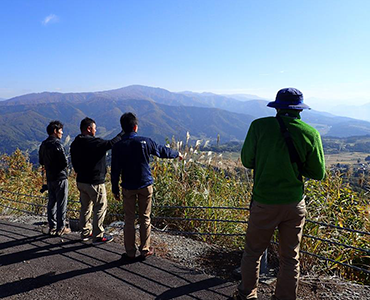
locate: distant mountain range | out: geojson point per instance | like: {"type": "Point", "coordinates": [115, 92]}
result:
{"type": "Point", "coordinates": [162, 114]}
{"type": "Point", "coordinates": [347, 108]}
{"type": "Point", "coordinates": [361, 112]}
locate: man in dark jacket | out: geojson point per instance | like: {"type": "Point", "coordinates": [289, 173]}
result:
{"type": "Point", "coordinates": [53, 159]}
{"type": "Point", "coordinates": [130, 162]}
{"type": "Point", "coordinates": [88, 159]}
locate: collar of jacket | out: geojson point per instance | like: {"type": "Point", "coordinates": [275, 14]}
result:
{"type": "Point", "coordinates": [85, 136]}
{"type": "Point", "coordinates": [52, 137]}
{"type": "Point", "coordinates": [289, 113]}
{"type": "Point", "coordinates": [129, 135]}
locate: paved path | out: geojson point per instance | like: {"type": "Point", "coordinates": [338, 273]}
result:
{"type": "Point", "coordinates": [36, 266]}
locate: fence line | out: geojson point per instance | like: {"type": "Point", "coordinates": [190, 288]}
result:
{"type": "Point", "coordinates": [336, 243]}
{"type": "Point", "coordinates": [335, 262]}
{"type": "Point", "coordinates": [17, 201]}
{"type": "Point", "coordinates": [202, 207]}
{"type": "Point", "coordinates": [21, 210]}
{"type": "Point", "coordinates": [199, 219]}
{"type": "Point", "coordinates": [21, 194]}
{"type": "Point", "coordinates": [367, 251]}
{"type": "Point", "coordinates": [330, 260]}
{"type": "Point", "coordinates": [338, 227]}
{"type": "Point", "coordinates": [191, 207]}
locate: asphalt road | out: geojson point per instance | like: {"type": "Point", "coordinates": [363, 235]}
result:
{"type": "Point", "coordinates": [36, 266]}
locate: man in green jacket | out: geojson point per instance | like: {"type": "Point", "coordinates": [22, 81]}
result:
{"type": "Point", "coordinates": [278, 200]}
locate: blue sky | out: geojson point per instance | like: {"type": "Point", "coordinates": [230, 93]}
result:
{"type": "Point", "coordinates": [252, 47]}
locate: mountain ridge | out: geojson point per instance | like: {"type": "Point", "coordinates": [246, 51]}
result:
{"type": "Point", "coordinates": [162, 114]}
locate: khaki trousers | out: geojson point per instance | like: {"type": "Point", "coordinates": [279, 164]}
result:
{"type": "Point", "coordinates": [93, 198]}
{"type": "Point", "coordinates": [144, 198]}
{"type": "Point", "coordinates": [264, 218]}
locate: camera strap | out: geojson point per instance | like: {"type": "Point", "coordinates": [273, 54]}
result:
{"type": "Point", "coordinates": [294, 157]}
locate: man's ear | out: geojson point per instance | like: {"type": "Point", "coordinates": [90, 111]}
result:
{"type": "Point", "coordinates": [136, 127]}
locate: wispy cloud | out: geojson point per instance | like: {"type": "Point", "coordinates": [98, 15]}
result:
{"type": "Point", "coordinates": [50, 19]}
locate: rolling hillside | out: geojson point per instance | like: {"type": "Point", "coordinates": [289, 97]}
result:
{"type": "Point", "coordinates": [24, 125]}
{"type": "Point", "coordinates": [162, 114]}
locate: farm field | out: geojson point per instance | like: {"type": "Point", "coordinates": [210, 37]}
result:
{"type": "Point", "coordinates": [346, 158]}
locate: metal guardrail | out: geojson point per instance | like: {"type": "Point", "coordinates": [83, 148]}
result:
{"type": "Point", "coordinates": [338, 227]}
{"type": "Point", "coordinates": [328, 241]}
{"type": "Point", "coordinates": [21, 210]}
{"type": "Point", "coordinates": [202, 207]}
{"type": "Point", "coordinates": [331, 260]}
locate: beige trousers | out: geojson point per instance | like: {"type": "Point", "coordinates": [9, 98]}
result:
{"type": "Point", "coordinates": [93, 198]}
{"type": "Point", "coordinates": [264, 218]}
{"type": "Point", "coordinates": [144, 198]}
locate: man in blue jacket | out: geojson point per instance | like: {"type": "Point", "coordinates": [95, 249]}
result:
{"type": "Point", "coordinates": [130, 162]}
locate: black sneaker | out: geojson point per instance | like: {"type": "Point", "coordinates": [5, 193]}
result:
{"type": "Point", "coordinates": [103, 240]}
{"type": "Point", "coordinates": [49, 231]}
{"type": "Point", "coordinates": [145, 254]}
{"type": "Point", "coordinates": [63, 231]}
{"type": "Point", "coordinates": [85, 238]}
{"type": "Point", "coordinates": [127, 258]}
{"type": "Point", "coordinates": [52, 232]}
{"type": "Point", "coordinates": [236, 296]}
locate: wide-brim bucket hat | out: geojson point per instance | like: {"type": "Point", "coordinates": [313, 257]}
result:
{"type": "Point", "coordinates": [289, 98]}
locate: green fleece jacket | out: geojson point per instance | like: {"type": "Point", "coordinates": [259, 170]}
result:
{"type": "Point", "coordinates": [276, 179]}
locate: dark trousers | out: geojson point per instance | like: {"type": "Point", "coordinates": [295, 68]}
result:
{"type": "Point", "coordinates": [57, 204]}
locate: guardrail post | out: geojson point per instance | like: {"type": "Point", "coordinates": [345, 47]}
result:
{"type": "Point", "coordinates": [263, 265]}
{"type": "Point", "coordinates": [264, 269]}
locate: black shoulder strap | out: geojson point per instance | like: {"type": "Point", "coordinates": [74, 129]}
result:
{"type": "Point", "coordinates": [294, 157]}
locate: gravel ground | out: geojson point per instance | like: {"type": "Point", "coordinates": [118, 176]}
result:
{"type": "Point", "coordinates": [221, 262]}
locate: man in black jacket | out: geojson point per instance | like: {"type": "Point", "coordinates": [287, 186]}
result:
{"type": "Point", "coordinates": [130, 162]}
{"type": "Point", "coordinates": [53, 159]}
{"type": "Point", "coordinates": [88, 159]}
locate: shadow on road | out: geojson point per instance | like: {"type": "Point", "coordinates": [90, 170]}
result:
{"type": "Point", "coordinates": [68, 261]}
{"type": "Point", "coordinates": [38, 252]}
{"type": "Point", "coordinates": [189, 288]}
{"type": "Point", "coordinates": [27, 284]}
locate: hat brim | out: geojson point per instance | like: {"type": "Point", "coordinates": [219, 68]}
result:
{"type": "Point", "coordinates": [280, 105]}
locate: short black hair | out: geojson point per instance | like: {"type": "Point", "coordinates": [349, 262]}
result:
{"type": "Point", "coordinates": [86, 123]}
{"type": "Point", "coordinates": [128, 122]}
{"type": "Point", "coordinates": [53, 125]}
